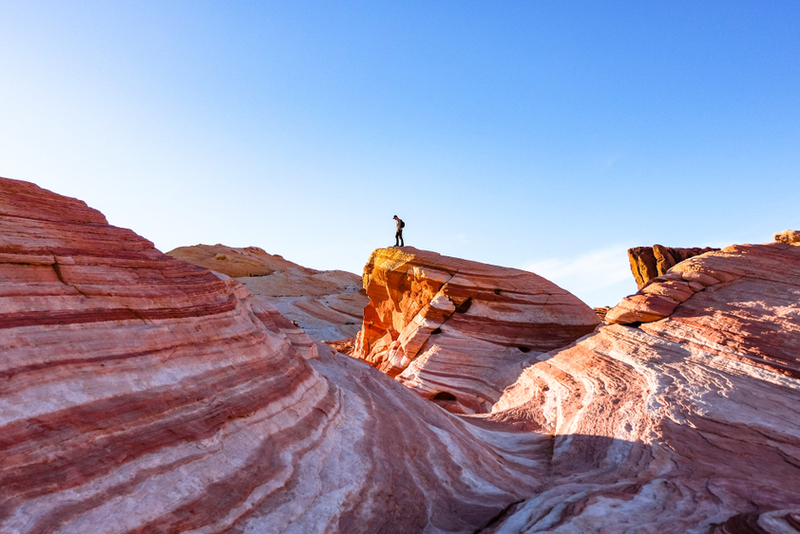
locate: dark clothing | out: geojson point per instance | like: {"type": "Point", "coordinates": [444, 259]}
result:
{"type": "Point", "coordinates": [398, 236]}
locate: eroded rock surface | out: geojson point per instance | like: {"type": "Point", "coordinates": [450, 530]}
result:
{"type": "Point", "coordinates": [788, 237]}
{"type": "Point", "coordinates": [139, 393]}
{"type": "Point", "coordinates": [687, 423]}
{"type": "Point", "coordinates": [456, 330]}
{"type": "Point", "coordinates": [328, 305]}
{"type": "Point", "coordinates": [650, 262]}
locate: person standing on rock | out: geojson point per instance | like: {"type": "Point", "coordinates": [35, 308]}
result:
{"type": "Point", "coordinates": [398, 236]}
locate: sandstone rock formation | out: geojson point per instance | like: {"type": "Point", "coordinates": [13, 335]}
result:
{"type": "Point", "coordinates": [649, 262]}
{"type": "Point", "coordinates": [143, 394]}
{"type": "Point", "coordinates": [788, 237]}
{"type": "Point", "coordinates": [328, 305]}
{"type": "Point", "coordinates": [687, 423]}
{"type": "Point", "coordinates": [455, 330]}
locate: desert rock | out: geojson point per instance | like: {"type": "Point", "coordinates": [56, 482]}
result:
{"type": "Point", "coordinates": [788, 237]}
{"type": "Point", "coordinates": [684, 424]}
{"type": "Point", "coordinates": [143, 394]}
{"type": "Point", "coordinates": [140, 393]}
{"type": "Point", "coordinates": [456, 330]}
{"type": "Point", "coordinates": [650, 262]}
{"type": "Point", "coordinates": [328, 305]}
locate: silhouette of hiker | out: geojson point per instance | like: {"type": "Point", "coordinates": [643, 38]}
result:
{"type": "Point", "coordinates": [398, 236]}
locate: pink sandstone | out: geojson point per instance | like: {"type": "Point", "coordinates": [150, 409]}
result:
{"type": "Point", "coordinates": [689, 422]}
{"type": "Point", "coordinates": [456, 330]}
{"type": "Point", "coordinates": [142, 394]}
{"type": "Point", "coordinates": [139, 393]}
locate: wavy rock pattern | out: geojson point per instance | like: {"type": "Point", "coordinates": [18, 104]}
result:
{"type": "Point", "coordinates": [142, 394]}
{"type": "Point", "coordinates": [326, 304]}
{"type": "Point", "coordinates": [455, 330]}
{"type": "Point", "coordinates": [690, 423]}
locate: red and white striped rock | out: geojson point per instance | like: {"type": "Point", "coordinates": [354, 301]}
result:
{"type": "Point", "coordinates": [456, 330]}
{"type": "Point", "coordinates": [690, 423]}
{"type": "Point", "coordinates": [139, 393]}
{"type": "Point", "coordinates": [142, 394]}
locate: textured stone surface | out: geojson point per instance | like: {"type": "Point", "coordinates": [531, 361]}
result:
{"type": "Point", "coordinates": [455, 330]}
{"type": "Point", "coordinates": [143, 394]}
{"type": "Point", "coordinates": [650, 262]}
{"type": "Point", "coordinates": [328, 305]}
{"type": "Point", "coordinates": [661, 295]}
{"type": "Point", "coordinates": [690, 423]}
{"type": "Point", "coordinates": [139, 393]}
{"type": "Point", "coordinates": [788, 236]}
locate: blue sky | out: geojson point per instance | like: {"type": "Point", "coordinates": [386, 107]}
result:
{"type": "Point", "coordinates": [543, 135]}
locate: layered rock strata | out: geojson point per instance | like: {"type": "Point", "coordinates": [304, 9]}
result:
{"type": "Point", "coordinates": [328, 305]}
{"type": "Point", "coordinates": [455, 330]}
{"type": "Point", "coordinates": [143, 394]}
{"type": "Point", "coordinates": [139, 393]}
{"type": "Point", "coordinates": [650, 262]}
{"type": "Point", "coordinates": [685, 424]}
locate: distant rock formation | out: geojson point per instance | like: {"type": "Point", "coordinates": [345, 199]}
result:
{"type": "Point", "coordinates": [649, 262]}
{"type": "Point", "coordinates": [455, 330]}
{"type": "Point", "coordinates": [788, 237]}
{"type": "Point", "coordinates": [328, 305]}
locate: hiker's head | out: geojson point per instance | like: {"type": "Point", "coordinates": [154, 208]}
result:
{"type": "Point", "coordinates": [394, 217]}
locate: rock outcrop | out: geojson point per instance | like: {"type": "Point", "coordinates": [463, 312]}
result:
{"type": "Point", "coordinates": [689, 423]}
{"type": "Point", "coordinates": [788, 237]}
{"type": "Point", "coordinates": [650, 262]}
{"type": "Point", "coordinates": [328, 305]}
{"type": "Point", "coordinates": [455, 330]}
{"type": "Point", "coordinates": [139, 393]}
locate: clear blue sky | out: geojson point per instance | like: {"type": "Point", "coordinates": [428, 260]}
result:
{"type": "Point", "coordinates": [535, 134]}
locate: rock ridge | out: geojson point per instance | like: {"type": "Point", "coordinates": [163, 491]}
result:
{"type": "Point", "coordinates": [456, 330]}
{"type": "Point", "coordinates": [327, 305]}
{"type": "Point", "coordinates": [140, 393]}
{"type": "Point", "coordinates": [165, 398]}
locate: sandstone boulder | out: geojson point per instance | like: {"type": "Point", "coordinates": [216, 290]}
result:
{"type": "Point", "coordinates": [328, 305]}
{"type": "Point", "coordinates": [650, 262]}
{"type": "Point", "coordinates": [788, 237]}
{"type": "Point", "coordinates": [456, 331]}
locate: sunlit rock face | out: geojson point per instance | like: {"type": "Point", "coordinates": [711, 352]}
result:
{"type": "Point", "coordinates": [788, 236]}
{"type": "Point", "coordinates": [685, 423]}
{"type": "Point", "coordinates": [650, 262]}
{"type": "Point", "coordinates": [140, 393]}
{"type": "Point", "coordinates": [456, 331]}
{"type": "Point", "coordinates": [328, 305]}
